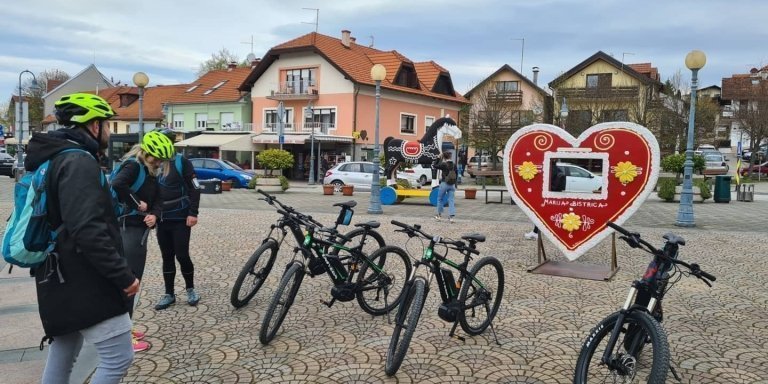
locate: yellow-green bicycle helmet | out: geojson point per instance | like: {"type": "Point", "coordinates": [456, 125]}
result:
{"type": "Point", "coordinates": [158, 145]}
{"type": "Point", "coordinates": [81, 108]}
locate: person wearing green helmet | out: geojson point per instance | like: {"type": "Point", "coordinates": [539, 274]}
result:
{"type": "Point", "coordinates": [135, 183]}
{"type": "Point", "coordinates": [91, 298]}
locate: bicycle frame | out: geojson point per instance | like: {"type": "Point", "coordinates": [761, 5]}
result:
{"type": "Point", "coordinates": [318, 247]}
{"type": "Point", "coordinates": [433, 261]}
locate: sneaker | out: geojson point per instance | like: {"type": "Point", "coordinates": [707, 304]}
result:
{"type": "Point", "coordinates": [531, 236]}
{"type": "Point", "coordinates": [139, 345]}
{"type": "Point", "coordinates": [137, 335]}
{"type": "Point", "coordinates": [450, 219]}
{"type": "Point", "coordinates": [165, 301]}
{"type": "Point", "coordinates": [192, 297]}
{"type": "Point", "coordinates": [438, 218]}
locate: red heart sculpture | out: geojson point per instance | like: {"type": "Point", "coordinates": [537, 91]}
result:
{"type": "Point", "coordinates": [625, 157]}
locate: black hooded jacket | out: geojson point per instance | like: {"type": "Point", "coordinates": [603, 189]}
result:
{"type": "Point", "coordinates": [148, 192]}
{"type": "Point", "coordinates": [93, 270]}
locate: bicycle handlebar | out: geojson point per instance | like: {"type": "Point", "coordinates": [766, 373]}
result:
{"type": "Point", "coordinates": [413, 230]}
{"type": "Point", "coordinates": [634, 241]}
{"type": "Point", "coordinates": [286, 210]}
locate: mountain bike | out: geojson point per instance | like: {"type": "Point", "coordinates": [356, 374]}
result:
{"type": "Point", "coordinates": [377, 281]}
{"type": "Point", "coordinates": [259, 265]}
{"type": "Point", "coordinates": [472, 301]}
{"type": "Point", "coordinates": [622, 339]}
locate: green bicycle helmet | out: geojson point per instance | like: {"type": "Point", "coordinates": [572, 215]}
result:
{"type": "Point", "coordinates": [81, 108]}
{"type": "Point", "coordinates": [158, 145]}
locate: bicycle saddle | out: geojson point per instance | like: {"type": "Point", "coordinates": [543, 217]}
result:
{"type": "Point", "coordinates": [347, 204]}
{"type": "Point", "coordinates": [674, 239]}
{"type": "Point", "coordinates": [370, 224]}
{"type": "Point", "coordinates": [474, 237]}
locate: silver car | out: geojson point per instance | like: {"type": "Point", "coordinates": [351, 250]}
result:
{"type": "Point", "coordinates": [715, 164]}
{"type": "Point", "coordinates": [359, 174]}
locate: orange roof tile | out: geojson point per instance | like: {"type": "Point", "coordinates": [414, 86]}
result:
{"type": "Point", "coordinates": [204, 91]}
{"type": "Point", "coordinates": [356, 62]}
{"type": "Point", "coordinates": [154, 98]}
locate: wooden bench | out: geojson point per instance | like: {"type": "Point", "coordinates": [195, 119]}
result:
{"type": "Point", "coordinates": [501, 196]}
{"type": "Point", "coordinates": [494, 174]}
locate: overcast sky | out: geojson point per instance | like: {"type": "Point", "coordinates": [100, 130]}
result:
{"type": "Point", "coordinates": [169, 39]}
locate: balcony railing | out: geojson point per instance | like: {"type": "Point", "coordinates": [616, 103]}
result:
{"type": "Point", "coordinates": [600, 93]}
{"type": "Point", "coordinates": [322, 128]}
{"type": "Point", "coordinates": [506, 96]}
{"type": "Point", "coordinates": [295, 90]}
{"type": "Point", "coordinates": [290, 128]}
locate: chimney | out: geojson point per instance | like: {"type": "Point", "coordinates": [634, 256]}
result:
{"type": "Point", "coordinates": [255, 62]}
{"type": "Point", "coordinates": [536, 75]}
{"type": "Point", "coordinates": [232, 65]}
{"type": "Point", "coordinates": [345, 35]}
{"type": "Point", "coordinates": [352, 40]}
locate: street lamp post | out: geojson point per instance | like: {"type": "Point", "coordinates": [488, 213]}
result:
{"type": "Point", "coordinates": [695, 60]}
{"type": "Point", "coordinates": [140, 79]}
{"type": "Point", "coordinates": [378, 73]}
{"type": "Point", "coordinates": [563, 113]}
{"type": "Point", "coordinates": [309, 116]}
{"type": "Point", "coordinates": [20, 120]}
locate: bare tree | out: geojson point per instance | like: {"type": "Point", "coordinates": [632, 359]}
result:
{"type": "Point", "coordinates": [753, 117]}
{"type": "Point", "coordinates": [219, 60]}
{"type": "Point", "coordinates": [495, 116]}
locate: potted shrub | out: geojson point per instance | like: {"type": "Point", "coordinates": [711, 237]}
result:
{"type": "Point", "coordinates": [328, 189]}
{"type": "Point", "coordinates": [226, 185]}
{"type": "Point", "coordinates": [470, 193]}
{"type": "Point", "coordinates": [347, 190]}
{"type": "Point", "coordinates": [273, 159]}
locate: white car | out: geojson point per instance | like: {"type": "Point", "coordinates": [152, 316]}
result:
{"type": "Point", "coordinates": [423, 173]}
{"type": "Point", "coordinates": [359, 174]}
{"type": "Point", "coordinates": [578, 179]}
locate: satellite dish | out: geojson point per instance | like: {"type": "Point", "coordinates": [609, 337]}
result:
{"type": "Point", "coordinates": [251, 57]}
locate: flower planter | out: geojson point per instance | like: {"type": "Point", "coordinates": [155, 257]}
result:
{"type": "Point", "coordinates": [470, 193]}
{"type": "Point", "coordinates": [328, 189]}
{"type": "Point", "coordinates": [226, 185]}
{"type": "Point", "coordinates": [347, 190]}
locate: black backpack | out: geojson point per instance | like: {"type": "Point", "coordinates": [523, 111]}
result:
{"type": "Point", "coordinates": [450, 178]}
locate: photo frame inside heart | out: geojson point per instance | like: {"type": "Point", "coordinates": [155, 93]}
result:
{"type": "Point", "coordinates": [571, 187]}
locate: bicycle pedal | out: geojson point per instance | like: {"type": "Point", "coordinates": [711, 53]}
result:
{"type": "Point", "coordinates": [459, 337]}
{"type": "Point", "coordinates": [328, 303]}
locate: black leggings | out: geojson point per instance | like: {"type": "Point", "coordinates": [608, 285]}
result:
{"type": "Point", "coordinates": [173, 238]}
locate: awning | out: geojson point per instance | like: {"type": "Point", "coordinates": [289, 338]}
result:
{"type": "Point", "coordinates": [215, 140]}
{"type": "Point", "coordinates": [244, 144]}
{"type": "Point", "coordinates": [269, 138]}
{"type": "Point", "coordinates": [331, 138]}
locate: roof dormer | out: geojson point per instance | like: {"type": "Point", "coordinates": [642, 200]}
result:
{"type": "Point", "coordinates": [406, 76]}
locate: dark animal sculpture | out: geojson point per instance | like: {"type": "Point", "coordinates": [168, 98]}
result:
{"type": "Point", "coordinates": [425, 151]}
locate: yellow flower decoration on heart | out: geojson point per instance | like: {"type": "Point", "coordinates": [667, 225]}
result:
{"type": "Point", "coordinates": [570, 222]}
{"type": "Point", "coordinates": [527, 171]}
{"type": "Point", "coordinates": [626, 172]}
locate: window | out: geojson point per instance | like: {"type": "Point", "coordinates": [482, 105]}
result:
{"type": "Point", "coordinates": [599, 81]}
{"type": "Point", "coordinates": [368, 168]}
{"type": "Point", "coordinates": [197, 163]}
{"type": "Point", "coordinates": [271, 121]}
{"type": "Point", "coordinates": [227, 120]}
{"type": "Point", "coordinates": [406, 77]}
{"type": "Point", "coordinates": [428, 121]}
{"type": "Point", "coordinates": [321, 121]}
{"type": "Point", "coordinates": [407, 123]}
{"type": "Point", "coordinates": [300, 81]}
{"type": "Point", "coordinates": [114, 127]}
{"type": "Point", "coordinates": [507, 86]}
{"type": "Point", "coordinates": [201, 120]}
{"type": "Point", "coordinates": [192, 88]}
{"type": "Point", "coordinates": [615, 115]}
{"type": "Point", "coordinates": [178, 120]}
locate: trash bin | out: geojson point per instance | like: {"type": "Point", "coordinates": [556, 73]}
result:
{"type": "Point", "coordinates": [210, 186]}
{"type": "Point", "coordinates": [722, 189]}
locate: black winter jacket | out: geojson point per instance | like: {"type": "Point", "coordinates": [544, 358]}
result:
{"type": "Point", "coordinates": [89, 248]}
{"type": "Point", "coordinates": [148, 192]}
{"type": "Point", "coordinates": [178, 195]}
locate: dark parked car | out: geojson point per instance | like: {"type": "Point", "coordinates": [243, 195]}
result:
{"type": "Point", "coordinates": [6, 164]}
{"type": "Point", "coordinates": [222, 170]}
{"type": "Point", "coordinates": [761, 169]}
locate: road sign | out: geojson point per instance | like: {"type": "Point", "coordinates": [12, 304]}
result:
{"type": "Point", "coordinates": [282, 139]}
{"type": "Point", "coordinates": [738, 148]}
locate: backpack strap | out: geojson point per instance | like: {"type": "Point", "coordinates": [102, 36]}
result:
{"type": "Point", "coordinates": [136, 185]}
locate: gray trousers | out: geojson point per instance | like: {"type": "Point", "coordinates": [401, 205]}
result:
{"type": "Point", "coordinates": [135, 252]}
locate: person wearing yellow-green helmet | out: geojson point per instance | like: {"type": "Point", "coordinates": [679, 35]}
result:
{"type": "Point", "coordinates": [135, 184]}
{"type": "Point", "coordinates": [90, 300]}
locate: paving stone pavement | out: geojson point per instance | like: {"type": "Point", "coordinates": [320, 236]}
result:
{"type": "Point", "coordinates": [716, 335]}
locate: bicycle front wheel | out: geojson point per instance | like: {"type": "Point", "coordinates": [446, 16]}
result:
{"type": "Point", "coordinates": [382, 279]}
{"type": "Point", "coordinates": [253, 274]}
{"type": "Point", "coordinates": [626, 364]}
{"type": "Point", "coordinates": [281, 302]}
{"type": "Point", "coordinates": [480, 295]}
{"type": "Point", "coordinates": [405, 324]}
{"type": "Point", "coordinates": [372, 242]}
